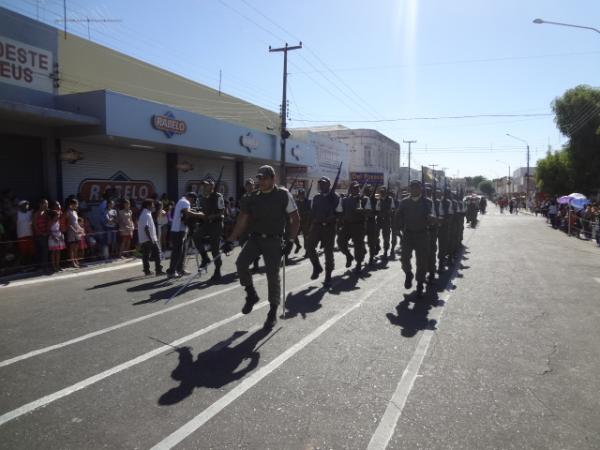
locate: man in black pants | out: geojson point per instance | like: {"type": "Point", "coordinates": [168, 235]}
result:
{"type": "Point", "coordinates": [271, 217]}
{"type": "Point", "coordinates": [211, 203]}
{"type": "Point", "coordinates": [181, 215]}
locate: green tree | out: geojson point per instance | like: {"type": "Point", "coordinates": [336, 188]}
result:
{"type": "Point", "coordinates": [554, 174]}
{"type": "Point", "coordinates": [486, 187]}
{"type": "Point", "coordinates": [578, 117]}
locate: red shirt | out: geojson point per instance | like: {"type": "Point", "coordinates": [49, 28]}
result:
{"type": "Point", "coordinates": [40, 224]}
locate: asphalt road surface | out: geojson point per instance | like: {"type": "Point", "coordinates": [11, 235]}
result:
{"type": "Point", "coordinates": [502, 354]}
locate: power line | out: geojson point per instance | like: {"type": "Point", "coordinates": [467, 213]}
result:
{"type": "Point", "coordinates": [399, 119]}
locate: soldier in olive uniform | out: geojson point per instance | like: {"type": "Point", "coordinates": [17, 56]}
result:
{"type": "Point", "coordinates": [433, 231]}
{"type": "Point", "coordinates": [385, 211]}
{"type": "Point", "coordinates": [444, 231]}
{"type": "Point", "coordinates": [323, 213]}
{"type": "Point", "coordinates": [454, 229]}
{"type": "Point", "coordinates": [303, 204]}
{"type": "Point", "coordinates": [249, 187]}
{"type": "Point", "coordinates": [415, 215]}
{"type": "Point", "coordinates": [372, 228]}
{"type": "Point", "coordinates": [353, 210]}
{"type": "Point", "coordinates": [211, 203]}
{"type": "Point", "coordinates": [268, 214]}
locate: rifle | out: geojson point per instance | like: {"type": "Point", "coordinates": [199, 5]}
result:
{"type": "Point", "coordinates": [218, 182]}
{"type": "Point", "coordinates": [337, 179]}
{"type": "Point", "coordinates": [309, 189]}
{"type": "Point", "coordinates": [293, 184]}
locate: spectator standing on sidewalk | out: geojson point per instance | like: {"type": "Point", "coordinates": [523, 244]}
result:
{"type": "Point", "coordinates": [111, 227]}
{"type": "Point", "coordinates": [552, 212]}
{"type": "Point", "coordinates": [125, 221]}
{"type": "Point", "coordinates": [56, 240]}
{"type": "Point", "coordinates": [148, 239]}
{"type": "Point", "coordinates": [74, 232]}
{"type": "Point", "coordinates": [25, 244]}
{"type": "Point", "coordinates": [40, 232]}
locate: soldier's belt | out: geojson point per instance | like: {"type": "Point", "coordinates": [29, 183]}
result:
{"type": "Point", "coordinates": [415, 231]}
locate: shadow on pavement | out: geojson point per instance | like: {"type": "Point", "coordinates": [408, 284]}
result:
{"type": "Point", "coordinates": [309, 299]}
{"type": "Point", "coordinates": [215, 367]}
{"type": "Point", "coordinates": [164, 294]}
{"type": "Point", "coordinates": [416, 319]}
{"type": "Point", "coordinates": [116, 282]}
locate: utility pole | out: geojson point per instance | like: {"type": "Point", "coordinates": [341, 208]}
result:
{"type": "Point", "coordinates": [88, 20]}
{"type": "Point", "coordinates": [284, 132]}
{"type": "Point", "coordinates": [409, 143]}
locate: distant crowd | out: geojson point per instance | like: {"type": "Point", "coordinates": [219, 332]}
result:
{"type": "Point", "coordinates": [50, 236]}
{"type": "Point", "coordinates": [583, 223]}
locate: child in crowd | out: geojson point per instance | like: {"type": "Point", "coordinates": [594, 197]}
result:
{"type": "Point", "coordinates": [82, 240]}
{"type": "Point", "coordinates": [56, 240]}
{"type": "Point", "coordinates": [125, 222]}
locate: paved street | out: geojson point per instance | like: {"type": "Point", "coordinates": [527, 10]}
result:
{"type": "Point", "coordinates": [504, 354]}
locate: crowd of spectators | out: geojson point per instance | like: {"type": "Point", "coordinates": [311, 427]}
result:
{"type": "Point", "coordinates": [46, 235]}
{"type": "Point", "coordinates": [583, 223]}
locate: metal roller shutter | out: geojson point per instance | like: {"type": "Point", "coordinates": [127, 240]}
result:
{"type": "Point", "coordinates": [104, 163]}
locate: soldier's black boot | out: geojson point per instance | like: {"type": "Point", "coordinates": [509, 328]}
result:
{"type": "Point", "coordinates": [255, 266]}
{"type": "Point", "coordinates": [408, 280]}
{"type": "Point", "coordinates": [419, 290]}
{"type": "Point", "coordinates": [431, 278]}
{"type": "Point", "coordinates": [327, 281]}
{"type": "Point", "coordinates": [204, 263]}
{"type": "Point", "coordinates": [271, 317]}
{"type": "Point", "coordinates": [316, 272]}
{"type": "Point", "coordinates": [251, 299]}
{"type": "Point", "coordinates": [371, 260]}
{"type": "Point", "coordinates": [358, 267]}
{"type": "Point", "coordinates": [392, 254]}
{"type": "Point", "coordinates": [217, 275]}
{"type": "Point", "coordinates": [298, 247]}
{"type": "Point", "coordinates": [349, 260]}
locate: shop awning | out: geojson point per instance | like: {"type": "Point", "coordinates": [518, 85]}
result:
{"type": "Point", "coordinates": [14, 111]}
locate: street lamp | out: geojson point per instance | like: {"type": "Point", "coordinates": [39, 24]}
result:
{"type": "Point", "coordinates": [526, 173]}
{"type": "Point", "coordinates": [540, 21]}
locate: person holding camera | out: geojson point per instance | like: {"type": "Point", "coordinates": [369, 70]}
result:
{"type": "Point", "coordinates": [182, 214]}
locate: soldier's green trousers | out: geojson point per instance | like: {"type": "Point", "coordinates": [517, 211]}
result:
{"type": "Point", "coordinates": [326, 235]}
{"type": "Point", "coordinates": [356, 232]}
{"type": "Point", "coordinates": [419, 242]}
{"type": "Point", "coordinates": [270, 249]}
{"type": "Point", "coordinates": [433, 238]}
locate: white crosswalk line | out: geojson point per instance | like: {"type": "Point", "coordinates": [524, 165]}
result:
{"type": "Point", "coordinates": [29, 407]}
{"type": "Point", "coordinates": [87, 336]}
{"type": "Point", "coordinates": [257, 376]}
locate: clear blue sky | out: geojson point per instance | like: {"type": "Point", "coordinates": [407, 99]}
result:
{"type": "Point", "coordinates": [382, 59]}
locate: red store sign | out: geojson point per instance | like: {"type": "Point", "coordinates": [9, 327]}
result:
{"type": "Point", "coordinates": [92, 190]}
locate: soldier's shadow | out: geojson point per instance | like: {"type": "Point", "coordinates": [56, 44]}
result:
{"type": "Point", "coordinates": [198, 283]}
{"type": "Point", "coordinates": [413, 320]}
{"type": "Point", "coordinates": [215, 367]}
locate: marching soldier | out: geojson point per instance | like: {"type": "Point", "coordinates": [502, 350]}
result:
{"type": "Point", "coordinates": [454, 226]}
{"type": "Point", "coordinates": [433, 231]}
{"type": "Point", "coordinates": [415, 215]}
{"type": "Point", "coordinates": [249, 187]}
{"type": "Point", "coordinates": [444, 231]}
{"type": "Point", "coordinates": [385, 211]}
{"type": "Point", "coordinates": [211, 203]}
{"type": "Point", "coordinates": [303, 204]}
{"type": "Point", "coordinates": [372, 228]}
{"type": "Point", "coordinates": [322, 229]}
{"type": "Point", "coordinates": [267, 214]}
{"type": "Point", "coordinates": [353, 210]}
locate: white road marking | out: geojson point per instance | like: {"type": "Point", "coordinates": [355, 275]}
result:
{"type": "Point", "coordinates": [387, 425]}
{"type": "Point", "coordinates": [67, 276]}
{"type": "Point", "coordinates": [87, 336]}
{"type": "Point", "coordinates": [43, 401]}
{"type": "Point", "coordinates": [597, 279]}
{"type": "Point", "coordinates": [249, 382]}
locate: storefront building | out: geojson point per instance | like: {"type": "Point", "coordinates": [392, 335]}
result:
{"type": "Point", "coordinates": [57, 140]}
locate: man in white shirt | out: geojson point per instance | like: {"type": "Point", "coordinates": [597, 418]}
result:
{"type": "Point", "coordinates": [148, 239]}
{"type": "Point", "coordinates": [181, 214]}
